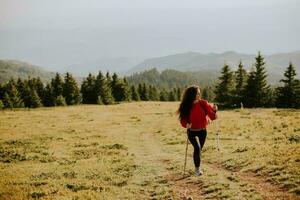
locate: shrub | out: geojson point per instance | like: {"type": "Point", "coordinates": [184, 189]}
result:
{"type": "Point", "coordinates": [1, 105]}
{"type": "Point", "coordinates": [60, 101]}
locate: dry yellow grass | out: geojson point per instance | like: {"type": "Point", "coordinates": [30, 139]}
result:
{"type": "Point", "coordinates": [136, 151]}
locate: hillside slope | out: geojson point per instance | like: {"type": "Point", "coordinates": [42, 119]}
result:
{"type": "Point", "coordinates": [192, 61]}
{"type": "Point", "coordinates": [17, 69]}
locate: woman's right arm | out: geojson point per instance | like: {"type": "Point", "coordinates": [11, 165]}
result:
{"type": "Point", "coordinates": [183, 122]}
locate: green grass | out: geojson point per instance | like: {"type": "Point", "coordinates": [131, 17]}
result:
{"type": "Point", "coordinates": [136, 151]}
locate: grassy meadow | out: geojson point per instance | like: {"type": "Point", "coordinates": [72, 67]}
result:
{"type": "Point", "coordinates": [136, 151]}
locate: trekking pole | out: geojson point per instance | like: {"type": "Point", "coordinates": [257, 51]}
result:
{"type": "Point", "coordinates": [186, 149]}
{"type": "Point", "coordinates": [218, 144]}
{"type": "Point", "coordinates": [218, 134]}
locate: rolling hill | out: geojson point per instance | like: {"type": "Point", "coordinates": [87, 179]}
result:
{"type": "Point", "coordinates": [192, 61]}
{"type": "Point", "coordinates": [17, 69]}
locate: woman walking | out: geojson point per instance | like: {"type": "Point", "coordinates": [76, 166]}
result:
{"type": "Point", "coordinates": [194, 114]}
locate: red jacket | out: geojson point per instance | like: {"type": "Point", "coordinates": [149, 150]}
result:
{"type": "Point", "coordinates": [199, 115]}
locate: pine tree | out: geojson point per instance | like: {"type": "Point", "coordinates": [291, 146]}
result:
{"type": "Point", "coordinates": [57, 85]}
{"type": "Point", "coordinates": [12, 98]}
{"type": "Point", "coordinates": [249, 93]}
{"type": "Point", "coordinates": [288, 95]}
{"type": "Point", "coordinates": [271, 98]}
{"type": "Point", "coordinates": [171, 96]}
{"type": "Point", "coordinates": [257, 91]}
{"type": "Point", "coordinates": [98, 83]}
{"type": "Point", "coordinates": [99, 100]}
{"type": "Point", "coordinates": [11, 83]}
{"type": "Point", "coordinates": [108, 80]}
{"type": "Point", "coordinates": [48, 99]}
{"type": "Point", "coordinates": [179, 94]}
{"type": "Point", "coordinates": [71, 90]}
{"type": "Point", "coordinates": [24, 91]}
{"type": "Point", "coordinates": [114, 89]}
{"type": "Point", "coordinates": [30, 85]}
{"type": "Point", "coordinates": [205, 94]}
{"type": "Point", "coordinates": [36, 84]}
{"type": "Point", "coordinates": [145, 92]}
{"type": "Point", "coordinates": [103, 91]}
{"type": "Point", "coordinates": [261, 81]}
{"type": "Point", "coordinates": [35, 100]}
{"type": "Point", "coordinates": [140, 90]}
{"type": "Point", "coordinates": [297, 96]}
{"type": "Point", "coordinates": [150, 93]}
{"type": "Point", "coordinates": [89, 95]}
{"type": "Point", "coordinates": [30, 82]}
{"type": "Point", "coordinates": [39, 87]}
{"type": "Point", "coordinates": [7, 102]}
{"type": "Point", "coordinates": [175, 94]}
{"type": "Point", "coordinates": [1, 105]}
{"type": "Point", "coordinates": [128, 90]}
{"type": "Point", "coordinates": [224, 89]}
{"type": "Point", "coordinates": [153, 93]}
{"type": "Point", "coordinates": [2, 91]}
{"type": "Point", "coordinates": [121, 91]}
{"type": "Point", "coordinates": [163, 95]}
{"type": "Point", "coordinates": [1, 96]}
{"type": "Point", "coordinates": [240, 80]}
{"type": "Point", "coordinates": [134, 94]}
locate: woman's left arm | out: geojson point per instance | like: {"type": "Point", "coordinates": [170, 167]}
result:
{"type": "Point", "coordinates": [211, 110]}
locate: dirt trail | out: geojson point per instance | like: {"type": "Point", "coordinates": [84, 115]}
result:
{"type": "Point", "coordinates": [267, 190]}
{"type": "Point", "coordinates": [183, 188]}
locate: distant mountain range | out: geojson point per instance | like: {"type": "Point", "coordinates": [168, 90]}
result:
{"type": "Point", "coordinates": [210, 63]}
{"type": "Point", "coordinates": [119, 65]}
{"type": "Point", "coordinates": [190, 61]}
{"type": "Point", "coordinates": [193, 61]}
{"type": "Point", "coordinates": [276, 64]}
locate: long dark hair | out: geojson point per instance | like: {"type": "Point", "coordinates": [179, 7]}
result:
{"type": "Point", "coordinates": [187, 100]}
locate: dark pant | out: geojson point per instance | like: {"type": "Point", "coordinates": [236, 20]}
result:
{"type": "Point", "coordinates": [197, 147]}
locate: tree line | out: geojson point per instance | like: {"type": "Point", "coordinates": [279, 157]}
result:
{"type": "Point", "coordinates": [240, 88]}
{"type": "Point", "coordinates": [170, 78]}
{"type": "Point", "coordinates": [61, 91]}
{"type": "Point", "coordinates": [234, 89]}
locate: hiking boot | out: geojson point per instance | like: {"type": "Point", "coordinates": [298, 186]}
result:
{"type": "Point", "coordinates": [198, 172]}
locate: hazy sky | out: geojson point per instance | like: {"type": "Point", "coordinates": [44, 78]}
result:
{"type": "Point", "coordinates": [59, 33]}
